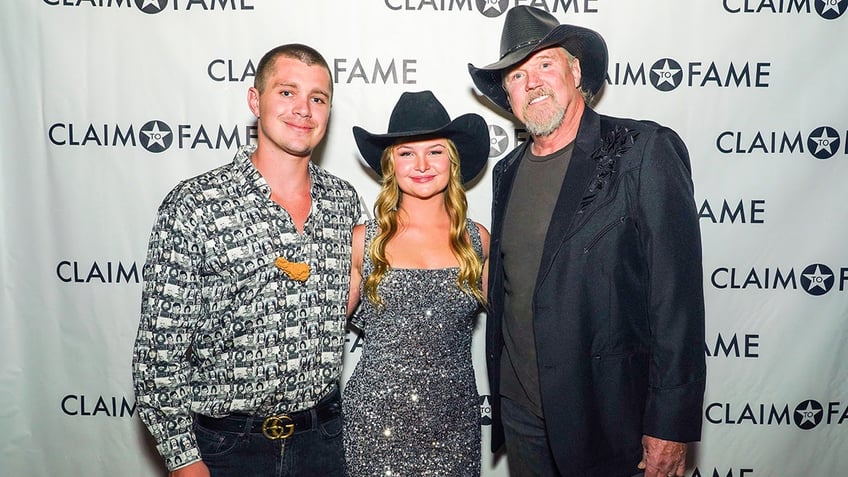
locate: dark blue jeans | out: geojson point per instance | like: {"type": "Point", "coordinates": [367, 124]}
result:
{"type": "Point", "coordinates": [317, 452]}
{"type": "Point", "coordinates": [528, 452]}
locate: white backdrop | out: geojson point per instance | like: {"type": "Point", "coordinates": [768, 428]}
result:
{"type": "Point", "coordinates": [753, 86]}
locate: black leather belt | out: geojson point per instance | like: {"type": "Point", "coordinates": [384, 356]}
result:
{"type": "Point", "coordinates": [280, 426]}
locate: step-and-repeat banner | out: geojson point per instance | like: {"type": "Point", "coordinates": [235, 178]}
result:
{"type": "Point", "coordinates": [107, 104]}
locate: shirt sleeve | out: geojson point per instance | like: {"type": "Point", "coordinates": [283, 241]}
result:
{"type": "Point", "coordinates": [359, 214]}
{"type": "Point", "coordinates": [671, 236]}
{"type": "Point", "coordinates": [170, 310]}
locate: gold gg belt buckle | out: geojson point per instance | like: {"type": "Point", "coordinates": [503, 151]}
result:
{"type": "Point", "coordinates": [277, 427]}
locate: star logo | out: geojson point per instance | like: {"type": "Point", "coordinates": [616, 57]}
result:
{"type": "Point", "coordinates": [666, 74]}
{"type": "Point", "coordinates": [498, 140]}
{"type": "Point", "coordinates": [830, 6]}
{"type": "Point", "coordinates": [151, 6]}
{"type": "Point", "coordinates": [156, 136]}
{"type": "Point", "coordinates": [485, 410]}
{"type": "Point", "coordinates": [831, 9]}
{"type": "Point", "coordinates": [492, 8]}
{"type": "Point", "coordinates": [808, 414]}
{"type": "Point", "coordinates": [823, 142]}
{"type": "Point", "coordinates": [817, 279]}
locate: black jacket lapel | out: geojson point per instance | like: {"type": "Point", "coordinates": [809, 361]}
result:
{"type": "Point", "coordinates": [580, 171]}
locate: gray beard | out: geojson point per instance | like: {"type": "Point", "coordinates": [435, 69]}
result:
{"type": "Point", "coordinates": [545, 128]}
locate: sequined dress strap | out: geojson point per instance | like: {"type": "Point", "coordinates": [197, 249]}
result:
{"type": "Point", "coordinates": [370, 233]}
{"type": "Point", "coordinates": [474, 234]}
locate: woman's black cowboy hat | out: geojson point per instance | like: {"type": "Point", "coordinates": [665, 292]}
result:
{"type": "Point", "coordinates": [528, 30]}
{"type": "Point", "coordinates": [422, 115]}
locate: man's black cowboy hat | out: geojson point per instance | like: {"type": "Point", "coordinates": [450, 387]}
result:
{"type": "Point", "coordinates": [422, 115]}
{"type": "Point", "coordinates": [528, 30]}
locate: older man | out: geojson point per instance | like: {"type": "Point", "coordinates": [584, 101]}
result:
{"type": "Point", "coordinates": [596, 325]}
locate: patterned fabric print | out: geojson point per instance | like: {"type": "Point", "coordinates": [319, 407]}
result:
{"type": "Point", "coordinates": [222, 329]}
{"type": "Point", "coordinates": [411, 406]}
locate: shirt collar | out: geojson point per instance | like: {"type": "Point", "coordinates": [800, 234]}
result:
{"type": "Point", "coordinates": [250, 176]}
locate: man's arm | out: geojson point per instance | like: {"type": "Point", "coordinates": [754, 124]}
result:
{"type": "Point", "coordinates": [160, 367]}
{"type": "Point", "coordinates": [670, 238]}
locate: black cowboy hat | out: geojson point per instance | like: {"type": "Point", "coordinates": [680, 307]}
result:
{"type": "Point", "coordinates": [527, 30]}
{"type": "Point", "coordinates": [422, 115]}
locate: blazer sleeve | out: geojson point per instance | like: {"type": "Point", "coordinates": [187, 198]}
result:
{"type": "Point", "coordinates": [671, 239]}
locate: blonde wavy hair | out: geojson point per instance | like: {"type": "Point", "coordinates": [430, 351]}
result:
{"type": "Point", "coordinates": [386, 211]}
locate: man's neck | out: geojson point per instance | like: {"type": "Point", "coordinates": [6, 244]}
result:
{"type": "Point", "coordinates": [283, 172]}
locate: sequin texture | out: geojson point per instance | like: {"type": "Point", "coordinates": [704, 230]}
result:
{"type": "Point", "coordinates": [411, 406]}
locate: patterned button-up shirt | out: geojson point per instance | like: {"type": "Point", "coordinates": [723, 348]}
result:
{"type": "Point", "coordinates": [222, 328]}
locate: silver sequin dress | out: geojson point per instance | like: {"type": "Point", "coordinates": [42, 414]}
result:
{"type": "Point", "coordinates": [411, 406]}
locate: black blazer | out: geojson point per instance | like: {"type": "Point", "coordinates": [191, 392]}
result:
{"type": "Point", "coordinates": [618, 304]}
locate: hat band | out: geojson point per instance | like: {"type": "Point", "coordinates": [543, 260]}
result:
{"type": "Point", "coordinates": [520, 46]}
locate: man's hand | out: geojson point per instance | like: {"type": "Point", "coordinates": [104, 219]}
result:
{"type": "Point", "coordinates": [662, 458]}
{"type": "Point", "coordinates": [197, 469]}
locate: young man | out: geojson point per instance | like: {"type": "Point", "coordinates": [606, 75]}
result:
{"type": "Point", "coordinates": [235, 255]}
{"type": "Point", "coordinates": [595, 329]}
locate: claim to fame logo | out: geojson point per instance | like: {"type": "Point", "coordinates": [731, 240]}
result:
{"type": "Point", "coordinates": [666, 74]}
{"type": "Point", "coordinates": [826, 9]}
{"type": "Point", "coordinates": [485, 410]}
{"type": "Point", "coordinates": [498, 140]}
{"type": "Point", "coordinates": [156, 136]}
{"type": "Point", "coordinates": [817, 279]}
{"type": "Point", "coordinates": [831, 9]}
{"type": "Point", "coordinates": [151, 6]}
{"type": "Point", "coordinates": [492, 8]}
{"type": "Point", "coordinates": [808, 414]}
{"type": "Point", "coordinates": [823, 142]}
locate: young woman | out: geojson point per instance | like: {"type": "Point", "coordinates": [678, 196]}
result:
{"type": "Point", "coordinates": [411, 405]}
